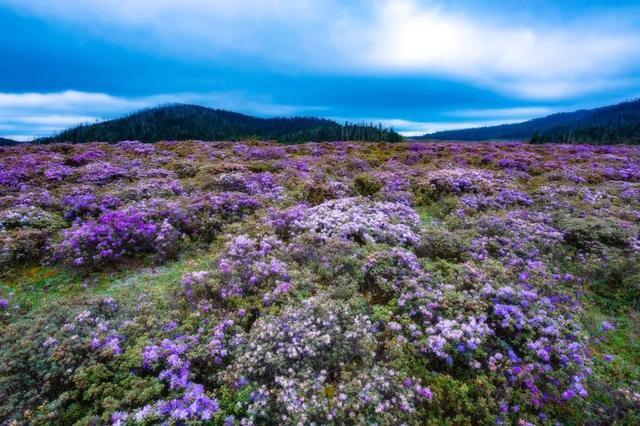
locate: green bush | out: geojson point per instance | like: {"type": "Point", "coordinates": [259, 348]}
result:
{"type": "Point", "coordinates": [366, 184]}
{"type": "Point", "coordinates": [617, 282]}
{"type": "Point", "coordinates": [22, 247]}
{"type": "Point", "coordinates": [583, 232]}
{"type": "Point", "coordinates": [439, 243]}
{"type": "Point", "coordinates": [60, 366]}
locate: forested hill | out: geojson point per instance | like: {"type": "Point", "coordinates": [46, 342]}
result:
{"type": "Point", "coordinates": [7, 142]}
{"type": "Point", "coordinates": [184, 122]}
{"type": "Point", "coordinates": [606, 125]}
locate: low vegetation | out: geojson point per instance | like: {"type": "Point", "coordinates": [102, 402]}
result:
{"type": "Point", "coordinates": [322, 283]}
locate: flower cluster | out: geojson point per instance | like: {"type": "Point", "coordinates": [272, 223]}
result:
{"type": "Point", "coordinates": [461, 180]}
{"type": "Point", "coordinates": [192, 402]}
{"type": "Point", "coordinates": [116, 236]}
{"type": "Point", "coordinates": [303, 367]}
{"type": "Point", "coordinates": [262, 184]}
{"type": "Point", "coordinates": [248, 264]}
{"type": "Point", "coordinates": [362, 221]}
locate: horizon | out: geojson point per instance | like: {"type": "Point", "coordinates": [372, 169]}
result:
{"type": "Point", "coordinates": [417, 66]}
{"type": "Point", "coordinates": [169, 105]}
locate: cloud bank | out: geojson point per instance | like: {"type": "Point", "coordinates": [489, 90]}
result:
{"type": "Point", "coordinates": [25, 116]}
{"type": "Point", "coordinates": [542, 59]}
{"type": "Point", "coordinates": [531, 58]}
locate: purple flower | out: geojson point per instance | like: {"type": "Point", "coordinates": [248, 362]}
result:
{"type": "Point", "coordinates": [424, 392]}
{"type": "Point", "coordinates": [606, 326]}
{"type": "Point", "coordinates": [119, 418]}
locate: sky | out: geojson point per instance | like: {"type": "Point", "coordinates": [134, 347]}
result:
{"type": "Point", "coordinates": [417, 65]}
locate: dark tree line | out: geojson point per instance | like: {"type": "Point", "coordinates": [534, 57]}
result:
{"type": "Point", "coordinates": [607, 125]}
{"type": "Point", "coordinates": [7, 142]}
{"type": "Point", "coordinates": [346, 132]}
{"type": "Point", "coordinates": [184, 122]}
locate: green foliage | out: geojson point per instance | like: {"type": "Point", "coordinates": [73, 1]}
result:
{"type": "Point", "coordinates": [617, 283]}
{"type": "Point", "coordinates": [438, 242]}
{"type": "Point", "coordinates": [461, 402]}
{"type": "Point", "coordinates": [583, 232]}
{"type": "Point", "coordinates": [367, 184]}
{"type": "Point", "coordinates": [317, 192]}
{"type": "Point", "coordinates": [439, 209]}
{"type": "Point", "coordinates": [21, 246]}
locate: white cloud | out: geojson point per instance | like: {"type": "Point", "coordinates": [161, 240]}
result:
{"type": "Point", "coordinates": [511, 113]}
{"type": "Point", "coordinates": [418, 128]}
{"type": "Point", "coordinates": [52, 120]}
{"type": "Point", "coordinates": [30, 115]}
{"type": "Point", "coordinates": [61, 101]}
{"type": "Point", "coordinates": [24, 116]}
{"type": "Point", "coordinates": [19, 138]}
{"type": "Point", "coordinates": [534, 62]}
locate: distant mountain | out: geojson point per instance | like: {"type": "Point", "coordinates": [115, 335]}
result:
{"type": "Point", "coordinates": [606, 125]}
{"type": "Point", "coordinates": [7, 142]}
{"type": "Point", "coordinates": [183, 122]}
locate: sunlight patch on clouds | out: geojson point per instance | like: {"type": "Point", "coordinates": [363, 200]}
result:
{"type": "Point", "coordinates": [584, 54]}
{"type": "Point", "coordinates": [531, 62]}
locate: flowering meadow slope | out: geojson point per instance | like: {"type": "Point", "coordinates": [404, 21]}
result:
{"type": "Point", "coordinates": [337, 283]}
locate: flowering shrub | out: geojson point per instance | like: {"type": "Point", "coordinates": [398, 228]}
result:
{"type": "Point", "coordinates": [47, 358]}
{"type": "Point", "coordinates": [519, 236]}
{"type": "Point", "coordinates": [86, 156]}
{"type": "Point", "coordinates": [386, 273]}
{"type": "Point", "coordinates": [334, 283]}
{"type": "Point", "coordinates": [362, 221]}
{"type": "Point", "coordinates": [22, 246]}
{"type": "Point", "coordinates": [263, 184]}
{"type": "Point", "coordinates": [101, 172]}
{"type": "Point", "coordinates": [87, 205]}
{"type": "Point", "coordinates": [192, 403]}
{"type": "Point", "coordinates": [460, 180]}
{"type": "Point", "coordinates": [152, 188]}
{"type": "Point", "coordinates": [530, 335]}
{"type": "Point", "coordinates": [58, 172]}
{"type": "Point", "coordinates": [28, 218]}
{"type": "Point", "coordinates": [202, 216]}
{"type": "Point", "coordinates": [248, 264]}
{"type": "Point", "coordinates": [116, 236]}
{"type": "Point", "coordinates": [304, 366]}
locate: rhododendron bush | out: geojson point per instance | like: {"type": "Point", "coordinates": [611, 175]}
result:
{"type": "Point", "coordinates": [337, 283]}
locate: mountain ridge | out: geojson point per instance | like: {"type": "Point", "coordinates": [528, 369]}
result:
{"type": "Point", "coordinates": [8, 142]}
{"type": "Point", "coordinates": [609, 124]}
{"type": "Point", "coordinates": [186, 121]}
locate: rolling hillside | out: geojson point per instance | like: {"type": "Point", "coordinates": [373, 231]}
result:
{"type": "Point", "coordinates": [7, 142]}
{"type": "Point", "coordinates": [184, 122]}
{"type": "Point", "coordinates": [606, 125]}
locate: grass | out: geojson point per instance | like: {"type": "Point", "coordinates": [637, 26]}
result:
{"type": "Point", "coordinates": [34, 286]}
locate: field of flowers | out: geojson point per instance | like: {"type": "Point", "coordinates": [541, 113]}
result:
{"type": "Point", "coordinates": [335, 283]}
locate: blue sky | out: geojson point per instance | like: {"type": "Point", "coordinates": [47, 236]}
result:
{"type": "Point", "coordinates": [418, 65]}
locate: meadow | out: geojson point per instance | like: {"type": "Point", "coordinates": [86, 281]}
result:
{"type": "Point", "coordinates": [333, 283]}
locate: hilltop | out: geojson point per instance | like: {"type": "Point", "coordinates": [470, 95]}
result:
{"type": "Point", "coordinates": [7, 142]}
{"type": "Point", "coordinates": [184, 122]}
{"type": "Point", "coordinates": [612, 124]}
